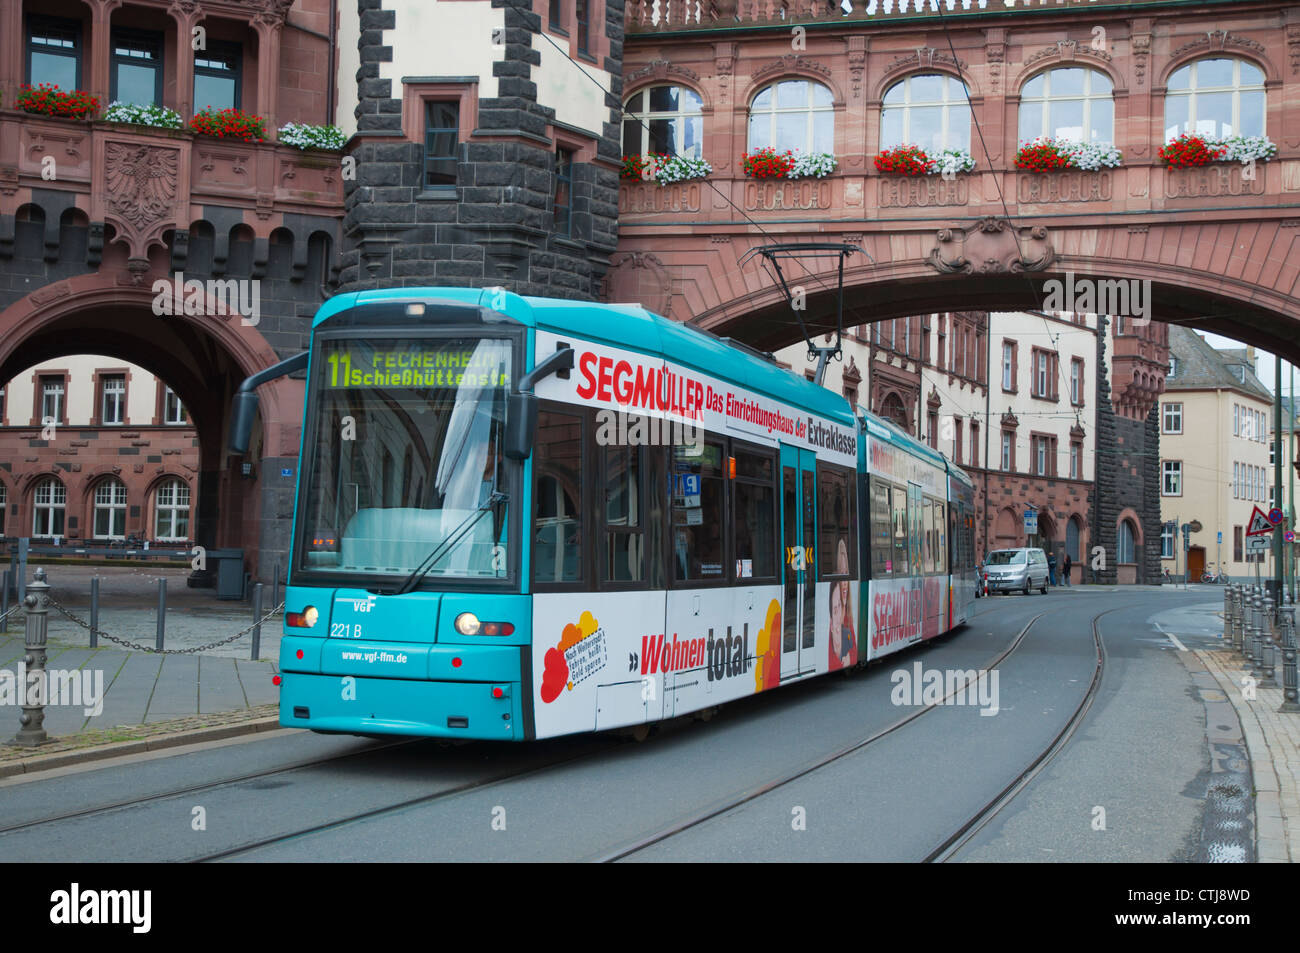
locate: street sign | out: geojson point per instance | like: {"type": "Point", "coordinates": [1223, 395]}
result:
{"type": "Point", "coordinates": [1275, 516]}
{"type": "Point", "coordinates": [1031, 522]}
{"type": "Point", "coordinates": [1259, 523]}
{"type": "Point", "coordinates": [1289, 536]}
{"type": "Point", "coordinates": [1258, 544]}
{"type": "Point", "coordinates": [1220, 536]}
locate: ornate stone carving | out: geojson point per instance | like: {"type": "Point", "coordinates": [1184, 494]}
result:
{"type": "Point", "coordinates": [658, 69]}
{"type": "Point", "coordinates": [1141, 50]}
{"type": "Point", "coordinates": [1067, 50]}
{"type": "Point", "coordinates": [792, 63]}
{"type": "Point", "coordinates": [994, 54]}
{"type": "Point", "coordinates": [922, 191]}
{"type": "Point", "coordinates": [1040, 188]}
{"type": "Point", "coordinates": [1209, 180]}
{"type": "Point", "coordinates": [801, 195]}
{"type": "Point", "coordinates": [634, 199]}
{"type": "Point", "coordinates": [641, 277]}
{"type": "Point", "coordinates": [857, 63]}
{"type": "Point", "coordinates": [142, 183]}
{"type": "Point", "coordinates": [923, 57]}
{"type": "Point", "coordinates": [1293, 46]}
{"type": "Point", "coordinates": [1217, 40]}
{"type": "Point", "coordinates": [991, 246]}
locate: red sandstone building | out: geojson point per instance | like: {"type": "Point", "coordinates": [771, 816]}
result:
{"type": "Point", "coordinates": [94, 450]}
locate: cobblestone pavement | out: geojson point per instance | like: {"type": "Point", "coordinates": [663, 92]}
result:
{"type": "Point", "coordinates": [1273, 739]}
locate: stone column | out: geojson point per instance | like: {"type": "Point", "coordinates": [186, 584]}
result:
{"type": "Point", "coordinates": [95, 75]}
{"type": "Point", "coordinates": [186, 15]}
{"type": "Point", "coordinates": [268, 70]}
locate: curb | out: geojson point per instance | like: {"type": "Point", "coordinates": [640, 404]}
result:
{"type": "Point", "coordinates": [194, 736]}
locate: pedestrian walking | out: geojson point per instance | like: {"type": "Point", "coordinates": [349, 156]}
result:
{"type": "Point", "coordinates": [1051, 568]}
{"type": "Point", "coordinates": [1067, 565]}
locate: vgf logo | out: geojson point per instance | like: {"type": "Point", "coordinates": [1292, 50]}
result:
{"type": "Point", "coordinates": [362, 605]}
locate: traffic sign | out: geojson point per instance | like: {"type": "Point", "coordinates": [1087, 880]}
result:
{"type": "Point", "coordinates": [1031, 522]}
{"type": "Point", "coordinates": [1289, 536]}
{"type": "Point", "coordinates": [1275, 516]}
{"type": "Point", "coordinates": [1220, 535]}
{"type": "Point", "coordinates": [1258, 544]}
{"type": "Point", "coordinates": [1259, 523]}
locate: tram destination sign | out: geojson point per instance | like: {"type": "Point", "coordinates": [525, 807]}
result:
{"type": "Point", "coordinates": [452, 364]}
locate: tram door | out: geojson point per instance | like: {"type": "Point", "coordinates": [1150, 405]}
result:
{"type": "Point", "coordinates": [798, 520]}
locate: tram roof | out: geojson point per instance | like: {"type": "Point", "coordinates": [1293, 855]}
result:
{"type": "Point", "coordinates": [891, 433]}
{"type": "Point", "coordinates": [635, 329]}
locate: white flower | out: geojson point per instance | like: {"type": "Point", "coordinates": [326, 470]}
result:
{"type": "Point", "coordinates": [811, 165]}
{"type": "Point", "coordinates": [305, 136]}
{"type": "Point", "coordinates": [1244, 148]}
{"type": "Point", "coordinates": [681, 169]}
{"type": "Point", "coordinates": [950, 161]}
{"type": "Point", "coordinates": [139, 114]}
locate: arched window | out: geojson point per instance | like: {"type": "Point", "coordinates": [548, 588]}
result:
{"type": "Point", "coordinates": [172, 510]}
{"type": "Point", "coordinates": [793, 114]}
{"type": "Point", "coordinates": [1216, 97]}
{"type": "Point", "coordinates": [1127, 550]}
{"type": "Point", "coordinates": [1069, 103]}
{"type": "Point", "coordinates": [1072, 539]}
{"type": "Point", "coordinates": [49, 501]}
{"type": "Point", "coordinates": [929, 110]}
{"type": "Point", "coordinates": [673, 115]}
{"type": "Point", "coordinates": [110, 509]}
{"type": "Point", "coordinates": [891, 408]}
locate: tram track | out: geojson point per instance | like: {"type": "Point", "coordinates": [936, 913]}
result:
{"type": "Point", "coordinates": [953, 843]}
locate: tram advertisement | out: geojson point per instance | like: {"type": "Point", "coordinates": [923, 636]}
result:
{"type": "Point", "coordinates": [633, 383]}
{"type": "Point", "coordinates": [904, 611]}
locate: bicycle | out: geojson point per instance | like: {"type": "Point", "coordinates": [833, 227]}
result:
{"type": "Point", "coordinates": [1217, 576]}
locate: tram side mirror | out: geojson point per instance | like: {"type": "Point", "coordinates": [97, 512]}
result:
{"type": "Point", "coordinates": [521, 425]}
{"type": "Point", "coordinates": [243, 411]}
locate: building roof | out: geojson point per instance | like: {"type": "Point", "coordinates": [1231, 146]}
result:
{"type": "Point", "coordinates": [1202, 367]}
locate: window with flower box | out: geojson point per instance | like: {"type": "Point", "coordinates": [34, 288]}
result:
{"type": "Point", "coordinates": [217, 76]}
{"type": "Point", "coordinates": [1217, 97]}
{"type": "Point", "coordinates": [137, 67]}
{"type": "Point", "coordinates": [1068, 103]}
{"type": "Point", "coordinates": [54, 52]}
{"type": "Point", "coordinates": [793, 114]}
{"type": "Point", "coordinates": [929, 110]}
{"type": "Point", "coordinates": [664, 120]}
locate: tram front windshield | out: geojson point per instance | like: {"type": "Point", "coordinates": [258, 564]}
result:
{"type": "Point", "coordinates": [404, 458]}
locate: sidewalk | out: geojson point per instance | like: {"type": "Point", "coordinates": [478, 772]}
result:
{"type": "Point", "coordinates": [1273, 740]}
{"type": "Point", "coordinates": [145, 688]}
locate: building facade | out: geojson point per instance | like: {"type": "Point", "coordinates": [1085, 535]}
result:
{"type": "Point", "coordinates": [1215, 462]}
{"type": "Point", "coordinates": [94, 450]}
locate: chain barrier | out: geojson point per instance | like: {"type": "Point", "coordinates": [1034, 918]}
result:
{"type": "Point", "coordinates": [11, 611]}
{"type": "Point", "coordinates": [127, 643]}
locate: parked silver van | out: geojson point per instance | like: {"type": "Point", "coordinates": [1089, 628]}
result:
{"type": "Point", "coordinates": [1009, 570]}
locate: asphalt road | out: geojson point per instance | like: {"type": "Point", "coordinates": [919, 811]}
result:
{"type": "Point", "coordinates": [1140, 755]}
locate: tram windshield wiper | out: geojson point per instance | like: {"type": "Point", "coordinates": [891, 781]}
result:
{"type": "Point", "coordinates": [448, 543]}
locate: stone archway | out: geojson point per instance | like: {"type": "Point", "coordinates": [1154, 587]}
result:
{"type": "Point", "coordinates": [203, 358]}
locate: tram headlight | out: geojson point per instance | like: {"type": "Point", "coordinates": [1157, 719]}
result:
{"type": "Point", "coordinates": [467, 623]}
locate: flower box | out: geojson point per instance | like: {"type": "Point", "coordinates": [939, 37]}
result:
{"type": "Point", "coordinates": [663, 169]}
{"type": "Point", "coordinates": [1191, 150]}
{"type": "Point", "coordinates": [48, 100]}
{"type": "Point", "coordinates": [1046, 154]}
{"type": "Point", "coordinates": [136, 114]}
{"type": "Point", "coordinates": [229, 124]}
{"type": "Point", "coordinates": [913, 160]}
{"type": "Point", "coordinates": [305, 136]}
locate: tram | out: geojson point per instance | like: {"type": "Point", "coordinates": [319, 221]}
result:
{"type": "Point", "coordinates": [519, 518]}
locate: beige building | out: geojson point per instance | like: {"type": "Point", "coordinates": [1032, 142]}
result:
{"type": "Point", "coordinates": [1214, 456]}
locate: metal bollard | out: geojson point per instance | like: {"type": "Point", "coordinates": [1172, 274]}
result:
{"type": "Point", "coordinates": [32, 684]}
{"type": "Point", "coordinates": [94, 612]}
{"type": "Point", "coordinates": [1252, 651]}
{"type": "Point", "coordinates": [1290, 686]}
{"type": "Point", "coordinates": [1239, 618]}
{"type": "Point", "coordinates": [1268, 657]}
{"type": "Point", "coordinates": [1227, 611]}
{"type": "Point", "coordinates": [257, 615]}
{"type": "Point", "coordinates": [162, 612]}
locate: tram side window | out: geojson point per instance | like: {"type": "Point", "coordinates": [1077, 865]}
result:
{"type": "Point", "coordinates": [754, 524]}
{"type": "Point", "coordinates": [928, 534]}
{"type": "Point", "coordinates": [904, 531]}
{"type": "Point", "coordinates": [558, 535]}
{"type": "Point", "coordinates": [940, 536]}
{"type": "Point", "coordinates": [882, 536]}
{"type": "Point", "coordinates": [837, 534]}
{"type": "Point", "coordinates": [622, 471]}
{"type": "Point", "coordinates": [698, 514]}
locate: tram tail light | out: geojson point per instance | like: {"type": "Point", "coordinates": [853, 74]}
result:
{"type": "Point", "coordinates": [731, 467]}
{"type": "Point", "coordinates": [467, 623]}
{"type": "Point", "coordinates": [302, 620]}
